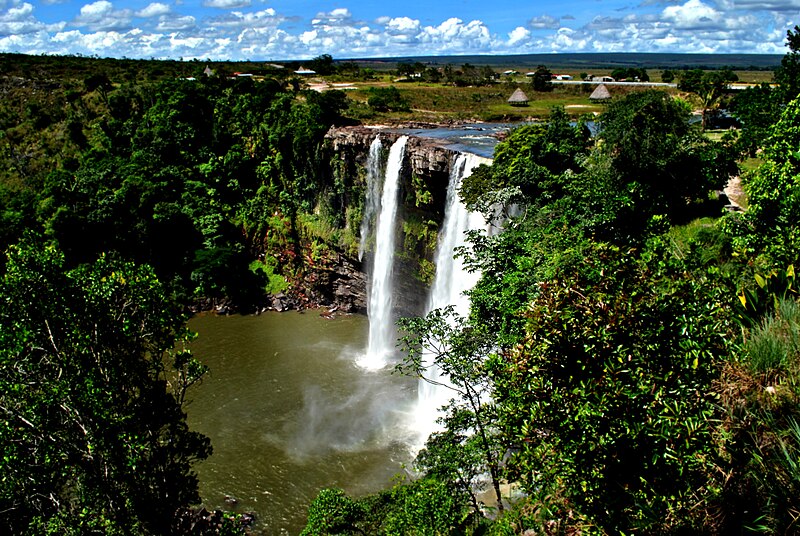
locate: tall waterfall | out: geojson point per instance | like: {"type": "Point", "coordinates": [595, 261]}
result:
{"type": "Point", "coordinates": [372, 202]}
{"type": "Point", "coordinates": [451, 282]}
{"type": "Point", "coordinates": [381, 324]}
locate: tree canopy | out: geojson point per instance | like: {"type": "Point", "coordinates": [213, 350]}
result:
{"type": "Point", "coordinates": [93, 376]}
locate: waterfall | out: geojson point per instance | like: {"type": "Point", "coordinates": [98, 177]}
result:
{"type": "Point", "coordinates": [451, 282]}
{"type": "Point", "coordinates": [381, 323]}
{"type": "Point", "coordinates": [372, 202]}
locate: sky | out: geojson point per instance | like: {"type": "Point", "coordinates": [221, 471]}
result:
{"type": "Point", "coordinates": [274, 30]}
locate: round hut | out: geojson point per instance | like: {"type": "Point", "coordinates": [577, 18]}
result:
{"type": "Point", "coordinates": [601, 93]}
{"type": "Point", "coordinates": [518, 98]}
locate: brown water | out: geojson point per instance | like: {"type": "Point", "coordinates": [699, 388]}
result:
{"type": "Point", "coordinates": [289, 413]}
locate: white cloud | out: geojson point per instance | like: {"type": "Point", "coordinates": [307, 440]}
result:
{"type": "Point", "coordinates": [337, 17]}
{"type": "Point", "coordinates": [155, 9]}
{"type": "Point", "coordinates": [567, 40]}
{"type": "Point", "coordinates": [227, 4]}
{"type": "Point", "coordinates": [166, 29]}
{"type": "Point", "coordinates": [267, 18]}
{"type": "Point", "coordinates": [102, 16]}
{"type": "Point", "coordinates": [402, 25]}
{"type": "Point", "coordinates": [97, 9]}
{"type": "Point", "coordinates": [175, 24]}
{"type": "Point", "coordinates": [455, 36]}
{"type": "Point", "coordinates": [339, 13]}
{"type": "Point", "coordinates": [17, 13]}
{"type": "Point", "coordinates": [543, 22]}
{"type": "Point", "coordinates": [518, 35]}
{"type": "Point", "coordinates": [692, 15]}
{"type": "Point", "coordinates": [19, 24]}
{"type": "Point", "coordinates": [765, 5]}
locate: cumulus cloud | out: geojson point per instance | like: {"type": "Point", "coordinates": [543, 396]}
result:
{"type": "Point", "coordinates": [543, 22]}
{"type": "Point", "coordinates": [267, 18]}
{"type": "Point", "coordinates": [453, 34]}
{"type": "Point", "coordinates": [518, 35]}
{"type": "Point", "coordinates": [101, 16]}
{"type": "Point", "coordinates": [19, 24]}
{"type": "Point", "coordinates": [168, 29]}
{"type": "Point", "coordinates": [768, 5]}
{"type": "Point", "coordinates": [155, 9]}
{"type": "Point", "coordinates": [692, 15]}
{"type": "Point", "coordinates": [227, 4]}
{"type": "Point", "coordinates": [402, 25]}
{"type": "Point", "coordinates": [176, 24]}
{"type": "Point", "coordinates": [337, 17]}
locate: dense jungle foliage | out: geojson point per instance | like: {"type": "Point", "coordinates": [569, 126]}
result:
{"type": "Point", "coordinates": [630, 363]}
{"type": "Point", "coordinates": [126, 193]}
{"type": "Point", "coordinates": [194, 177]}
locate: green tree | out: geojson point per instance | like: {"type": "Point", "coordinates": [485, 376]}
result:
{"type": "Point", "coordinates": [608, 395]}
{"type": "Point", "coordinates": [93, 376]}
{"type": "Point", "coordinates": [788, 74]}
{"type": "Point", "coordinates": [667, 76]}
{"type": "Point", "coordinates": [323, 65]}
{"type": "Point", "coordinates": [541, 80]}
{"type": "Point", "coordinates": [425, 506]}
{"type": "Point", "coordinates": [385, 99]}
{"type": "Point", "coordinates": [757, 109]}
{"type": "Point", "coordinates": [409, 70]}
{"type": "Point", "coordinates": [540, 170]}
{"type": "Point", "coordinates": [769, 226]}
{"type": "Point", "coordinates": [441, 350]}
{"type": "Point", "coordinates": [650, 162]}
{"type": "Point", "coordinates": [709, 86]}
{"type": "Point", "coordinates": [534, 159]}
{"type": "Point", "coordinates": [630, 74]}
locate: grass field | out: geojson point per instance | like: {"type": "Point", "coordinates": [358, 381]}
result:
{"type": "Point", "coordinates": [435, 102]}
{"type": "Point", "coordinates": [438, 102]}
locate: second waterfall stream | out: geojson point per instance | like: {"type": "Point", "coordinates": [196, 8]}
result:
{"type": "Point", "coordinates": [449, 287]}
{"type": "Point", "coordinates": [450, 283]}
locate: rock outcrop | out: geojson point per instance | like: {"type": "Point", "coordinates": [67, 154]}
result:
{"type": "Point", "coordinates": [426, 156]}
{"type": "Point", "coordinates": [340, 282]}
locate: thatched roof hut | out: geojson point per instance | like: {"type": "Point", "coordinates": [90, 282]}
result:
{"type": "Point", "coordinates": [518, 98]}
{"type": "Point", "coordinates": [600, 94]}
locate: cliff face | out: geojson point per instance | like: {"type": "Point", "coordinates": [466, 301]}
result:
{"type": "Point", "coordinates": [426, 156]}
{"type": "Point", "coordinates": [423, 192]}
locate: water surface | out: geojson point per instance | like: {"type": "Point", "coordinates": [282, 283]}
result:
{"type": "Point", "coordinates": [289, 413]}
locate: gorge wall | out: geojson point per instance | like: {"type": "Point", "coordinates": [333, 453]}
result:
{"type": "Point", "coordinates": [342, 282]}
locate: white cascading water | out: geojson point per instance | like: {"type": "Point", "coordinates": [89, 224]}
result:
{"type": "Point", "coordinates": [449, 286]}
{"type": "Point", "coordinates": [372, 202]}
{"type": "Point", "coordinates": [381, 324]}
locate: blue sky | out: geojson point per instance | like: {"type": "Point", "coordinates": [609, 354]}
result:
{"type": "Point", "coordinates": [299, 29]}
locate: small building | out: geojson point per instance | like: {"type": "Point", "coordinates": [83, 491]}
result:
{"type": "Point", "coordinates": [518, 98]}
{"type": "Point", "coordinates": [510, 72]}
{"type": "Point", "coordinates": [600, 93]}
{"type": "Point", "coordinates": [305, 72]}
{"type": "Point", "coordinates": [562, 77]}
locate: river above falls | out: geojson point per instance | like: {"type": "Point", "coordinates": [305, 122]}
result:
{"type": "Point", "coordinates": [289, 412]}
{"type": "Point", "coordinates": [475, 138]}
